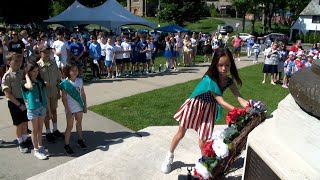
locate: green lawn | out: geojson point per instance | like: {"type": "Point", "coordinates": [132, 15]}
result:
{"type": "Point", "coordinates": [159, 60]}
{"type": "Point", "coordinates": [157, 107]}
{"type": "Point", "coordinates": [205, 25]}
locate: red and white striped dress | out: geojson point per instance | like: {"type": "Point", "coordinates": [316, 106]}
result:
{"type": "Point", "coordinates": [199, 113]}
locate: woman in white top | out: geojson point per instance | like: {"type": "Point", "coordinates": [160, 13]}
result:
{"type": "Point", "coordinates": [194, 44]}
{"type": "Point", "coordinates": [187, 51]}
{"type": "Point", "coordinates": [103, 44]}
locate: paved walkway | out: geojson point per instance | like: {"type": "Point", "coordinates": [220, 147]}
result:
{"type": "Point", "coordinates": [101, 133]}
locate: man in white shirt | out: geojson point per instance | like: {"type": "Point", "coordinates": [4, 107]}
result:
{"type": "Point", "coordinates": [126, 49]}
{"type": "Point", "coordinates": [110, 57]}
{"type": "Point", "coordinates": [60, 51]}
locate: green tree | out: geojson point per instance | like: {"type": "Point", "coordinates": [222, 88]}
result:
{"type": "Point", "coordinates": [296, 7]}
{"type": "Point", "coordinates": [182, 11]}
{"type": "Point", "coordinates": [213, 11]}
{"type": "Point", "coordinates": [242, 7]}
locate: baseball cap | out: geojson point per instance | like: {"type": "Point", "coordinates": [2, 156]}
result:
{"type": "Point", "coordinates": [292, 53]}
{"type": "Point", "coordinates": [300, 53]}
{"type": "Point", "coordinates": [75, 36]}
{"type": "Point", "coordinates": [310, 55]}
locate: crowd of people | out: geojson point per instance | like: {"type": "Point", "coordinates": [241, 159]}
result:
{"type": "Point", "coordinates": [39, 68]}
{"type": "Point", "coordinates": [281, 63]}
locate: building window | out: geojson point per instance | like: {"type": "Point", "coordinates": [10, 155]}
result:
{"type": "Point", "coordinates": [315, 19]}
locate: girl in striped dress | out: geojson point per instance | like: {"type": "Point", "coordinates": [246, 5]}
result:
{"type": "Point", "coordinates": [204, 106]}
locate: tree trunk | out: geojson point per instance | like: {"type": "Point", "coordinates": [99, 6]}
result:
{"type": "Point", "coordinates": [253, 21]}
{"type": "Point", "coordinates": [266, 16]}
{"type": "Point", "coordinates": [243, 21]}
{"type": "Point", "coordinates": [270, 16]}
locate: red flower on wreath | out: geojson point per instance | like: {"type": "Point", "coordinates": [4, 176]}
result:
{"type": "Point", "coordinates": [234, 114]}
{"type": "Point", "coordinates": [208, 150]}
{"type": "Point", "coordinates": [196, 174]}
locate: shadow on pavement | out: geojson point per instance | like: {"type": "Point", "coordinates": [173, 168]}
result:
{"type": "Point", "coordinates": [93, 140]}
{"type": "Point", "coordinates": [181, 167]}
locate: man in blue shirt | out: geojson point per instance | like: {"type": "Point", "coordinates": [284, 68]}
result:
{"type": "Point", "coordinates": [142, 58]}
{"type": "Point", "coordinates": [250, 43]}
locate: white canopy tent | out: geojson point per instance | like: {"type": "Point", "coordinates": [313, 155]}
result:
{"type": "Point", "coordinates": [111, 15]}
{"type": "Point", "coordinates": [75, 14]}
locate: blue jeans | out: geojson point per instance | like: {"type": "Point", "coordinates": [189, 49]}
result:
{"type": "Point", "coordinates": [256, 54]}
{"type": "Point", "coordinates": [36, 113]}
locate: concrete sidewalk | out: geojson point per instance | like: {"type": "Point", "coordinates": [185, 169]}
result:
{"type": "Point", "coordinates": [99, 132]}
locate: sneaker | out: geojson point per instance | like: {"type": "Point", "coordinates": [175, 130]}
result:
{"type": "Point", "coordinates": [40, 155]}
{"type": "Point", "coordinates": [50, 138]}
{"type": "Point", "coordinates": [23, 148]}
{"type": "Point", "coordinates": [263, 82]}
{"type": "Point", "coordinates": [58, 135]}
{"type": "Point", "coordinates": [81, 144]}
{"type": "Point", "coordinates": [285, 86]}
{"type": "Point", "coordinates": [68, 150]}
{"type": "Point", "coordinates": [29, 143]}
{"type": "Point", "coordinates": [43, 151]}
{"type": "Point", "coordinates": [273, 83]}
{"type": "Point", "coordinates": [166, 165]}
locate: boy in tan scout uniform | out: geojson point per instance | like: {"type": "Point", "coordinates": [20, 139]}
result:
{"type": "Point", "coordinates": [51, 76]}
{"type": "Point", "coordinates": [11, 85]}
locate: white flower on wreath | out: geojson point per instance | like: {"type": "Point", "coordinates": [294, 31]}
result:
{"type": "Point", "coordinates": [220, 148]}
{"type": "Point", "coordinates": [217, 135]}
{"type": "Point", "coordinates": [203, 171]}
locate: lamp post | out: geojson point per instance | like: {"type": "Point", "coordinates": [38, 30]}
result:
{"type": "Point", "coordinates": [158, 14]}
{"type": "Point", "coordinates": [145, 8]}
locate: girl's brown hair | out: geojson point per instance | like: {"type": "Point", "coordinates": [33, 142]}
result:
{"type": "Point", "coordinates": [66, 70]}
{"type": "Point", "coordinates": [213, 72]}
{"type": "Point", "coordinates": [30, 67]}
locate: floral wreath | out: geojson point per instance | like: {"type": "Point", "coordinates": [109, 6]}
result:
{"type": "Point", "coordinates": [216, 149]}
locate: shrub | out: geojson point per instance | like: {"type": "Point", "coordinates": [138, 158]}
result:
{"type": "Point", "coordinates": [301, 36]}
{"type": "Point", "coordinates": [306, 37]}
{"type": "Point", "coordinates": [312, 38]}
{"type": "Point", "coordinates": [317, 40]}
{"type": "Point", "coordinates": [213, 11]}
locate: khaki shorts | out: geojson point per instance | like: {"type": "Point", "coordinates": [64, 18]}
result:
{"type": "Point", "coordinates": [53, 103]}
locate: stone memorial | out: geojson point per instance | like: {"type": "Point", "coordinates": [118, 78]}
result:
{"type": "Point", "coordinates": [287, 145]}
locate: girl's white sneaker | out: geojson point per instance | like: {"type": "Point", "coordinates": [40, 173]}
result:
{"type": "Point", "coordinates": [40, 155]}
{"type": "Point", "coordinates": [166, 165]}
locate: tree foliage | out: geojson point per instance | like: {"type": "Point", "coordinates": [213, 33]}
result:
{"type": "Point", "coordinates": [242, 7]}
{"type": "Point", "coordinates": [269, 7]}
{"type": "Point", "coordinates": [213, 11]}
{"type": "Point", "coordinates": [24, 11]}
{"type": "Point", "coordinates": [182, 11]}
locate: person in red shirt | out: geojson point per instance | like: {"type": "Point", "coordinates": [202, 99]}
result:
{"type": "Point", "coordinates": [295, 48]}
{"type": "Point", "coordinates": [237, 43]}
{"type": "Point", "coordinates": [299, 62]}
